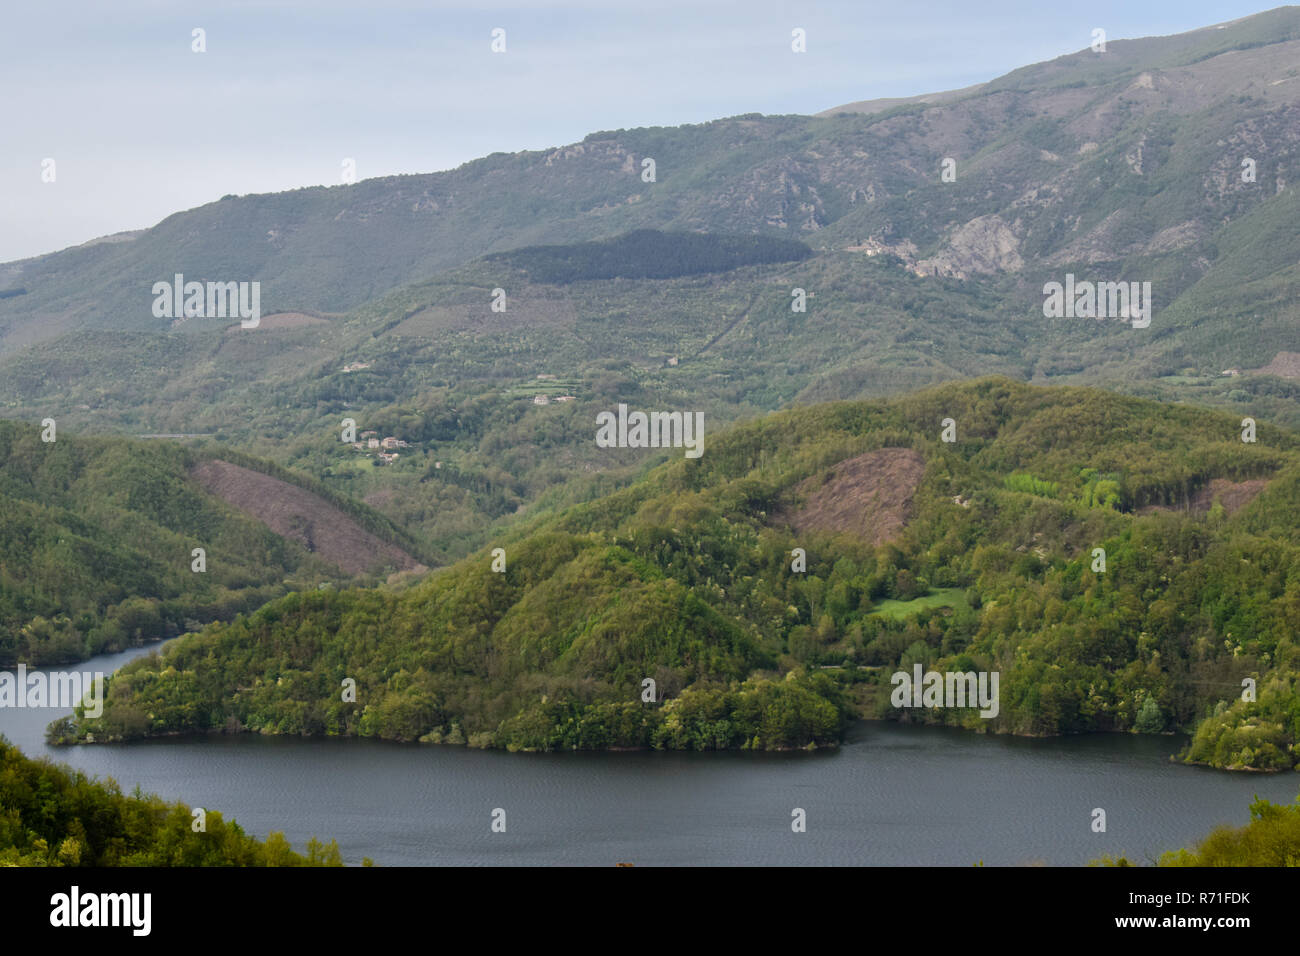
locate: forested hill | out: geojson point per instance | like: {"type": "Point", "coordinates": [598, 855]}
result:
{"type": "Point", "coordinates": [972, 555]}
{"type": "Point", "coordinates": [98, 539]}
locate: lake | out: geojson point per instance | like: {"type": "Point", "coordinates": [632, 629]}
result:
{"type": "Point", "coordinates": [893, 795]}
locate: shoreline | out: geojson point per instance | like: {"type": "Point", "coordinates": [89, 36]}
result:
{"type": "Point", "coordinates": [807, 748]}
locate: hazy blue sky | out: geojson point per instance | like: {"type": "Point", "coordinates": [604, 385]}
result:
{"type": "Point", "coordinates": [140, 127]}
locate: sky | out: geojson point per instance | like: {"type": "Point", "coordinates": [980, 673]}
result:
{"type": "Point", "coordinates": [140, 126]}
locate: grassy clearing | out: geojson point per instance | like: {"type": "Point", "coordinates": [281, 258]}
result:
{"type": "Point", "coordinates": [937, 597]}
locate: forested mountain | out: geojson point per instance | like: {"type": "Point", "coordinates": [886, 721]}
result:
{"type": "Point", "coordinates": [98, 539]}
{"type": "Point", "coordinates": [695, 288]}
{"type": "Point", "coordinates": [391, 508]}
{"type": "Point", "coordinates": [437, 366]}
{"type": "Point", "coordinates": [648, 254]}
{"type": "Point", "coordinates": [1123, 164]}
{"type": "Point", "coordinates": [977, 554]}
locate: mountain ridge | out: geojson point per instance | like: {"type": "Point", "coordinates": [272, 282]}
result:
{"type": "Point", "coordinates": [1050, 150]}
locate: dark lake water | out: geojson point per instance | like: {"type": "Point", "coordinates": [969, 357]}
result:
{"type": "Point", "coordinates": [893, 795]}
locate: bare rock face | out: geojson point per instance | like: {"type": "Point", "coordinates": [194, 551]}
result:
{"type": "Point", "coordinates": [1104, 242]}
{"type": "Point", "coordinates": [985, 245]}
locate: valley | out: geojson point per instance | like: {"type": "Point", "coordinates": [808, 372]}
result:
{"type": "Point", "coordinates": [392, 501]}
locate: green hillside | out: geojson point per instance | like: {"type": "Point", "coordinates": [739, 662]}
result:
{"type": "Point", "coordinates": [456, 380]}
{"type": "Point", "coordinates": [96, 547]}
{"type": "Point", "coordinates": [683, 291]}
{"type": "Point", "coordinates": [685, 577]}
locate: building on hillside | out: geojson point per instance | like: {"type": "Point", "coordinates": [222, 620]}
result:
{"type": "Point", "coordinates": [546, 378]}
{"type": "Point", "coordinates": [541, 400]}
{"type": "Point", "coordinates": [672, 361]}
{"type": "Point", "coordinates": [356, 366]}
{"type": "Point", "coordinates": [372, 443]}
{"type": "Point", "coordinates": [564, 398]}
{"type": "Point", "coordinates": [368, 434]}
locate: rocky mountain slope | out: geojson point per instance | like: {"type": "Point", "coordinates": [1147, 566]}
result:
{"type": "Point", "coordinates": [1126, 164]}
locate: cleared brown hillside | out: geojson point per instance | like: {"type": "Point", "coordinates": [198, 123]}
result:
{"type": "Point", "coordinates": [1284, 365]}
{"type": "Point", "coordinates": [1233, 495]}
{"type": "Point", "coordinates": [300, 516]}
{"type": "Point", "coordinates": [869, 497]}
